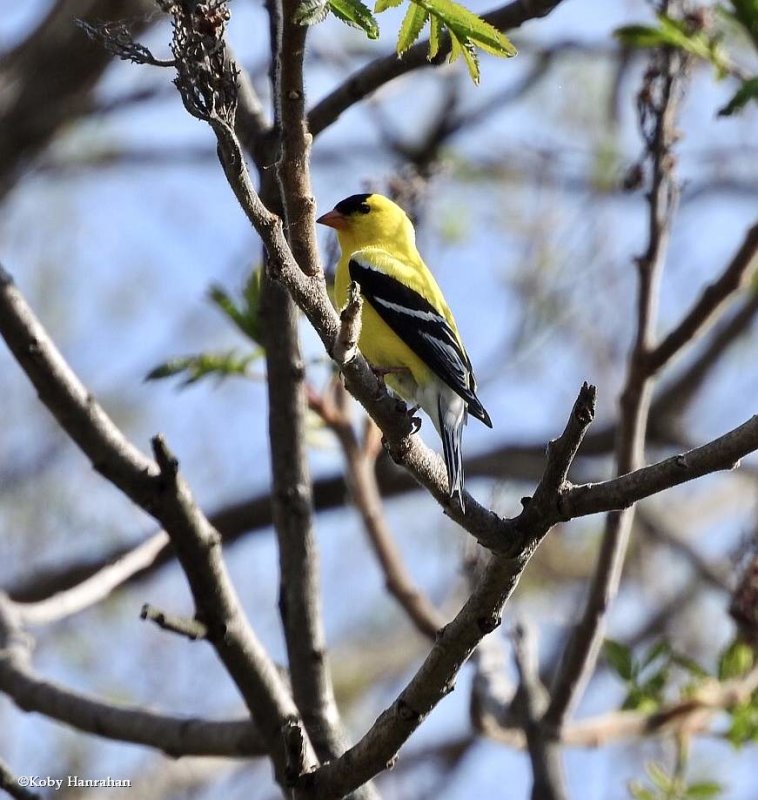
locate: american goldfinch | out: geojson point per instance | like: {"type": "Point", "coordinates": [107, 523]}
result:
{"type": "Point", "coordinates": [408, 332]}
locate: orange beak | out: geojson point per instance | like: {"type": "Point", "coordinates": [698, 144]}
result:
{"type": "Point", "coordinates": [333, 219]}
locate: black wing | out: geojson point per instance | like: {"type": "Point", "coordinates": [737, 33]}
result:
{"type": "Point", "coordinates": [415, 320]}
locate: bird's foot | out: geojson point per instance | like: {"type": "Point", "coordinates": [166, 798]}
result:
{"type": "Point", "coordinates": [402, 408]}
{"type": "Point", "coordinates": [381, 372]}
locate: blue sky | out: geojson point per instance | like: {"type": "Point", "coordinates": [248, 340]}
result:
{"type": "Point", "coordinates": [117, 263]}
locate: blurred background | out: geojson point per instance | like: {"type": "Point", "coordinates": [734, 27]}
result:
{"type": "Point", "coordinates": [115, 221]}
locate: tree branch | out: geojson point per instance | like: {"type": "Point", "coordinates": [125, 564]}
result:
{"type": "Point", "coordinates": [361, 478]}
{"type": "Point", "coordinates": [480, 615]}
{"type": "Point", "coordinates": [39, 97]}
{"type": "Point", "coordinates": [683, 389]}
{"type": "Point", "coordinates": [382, 70]}
{"type": "Point", "coordinates": [287, 191]}
{"type": "Point", "coordinates": [161, 491]}
{"type": "Point", "coordinates": [549, 782]}
{"type": "Point", "coordinates": [708, 305]}
{"type": "Point", "coordinates": [723, 453]}
{"type": "Point", "coordinates": [97, 586]}
{"type": "Point", "coordinates": [522, 462]}
{"type": "Point", "coordinates": [688, 715]}
{"type": "Point", "coordinates": [175, 736]}
{"type": "Point", "coordinates": [657, 108]}
{"type": "Point", "coordinates": [193, 629]}
{"type": "Point", "coordinates": [12, 784]}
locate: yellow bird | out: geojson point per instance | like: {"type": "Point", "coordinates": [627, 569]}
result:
{"type": "Point", "coordinates": [408, 332]}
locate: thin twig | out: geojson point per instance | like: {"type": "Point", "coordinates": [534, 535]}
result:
{"type": "Point", "coordinates": [193, 629]}
{"type": "Point", "coordinates": [677, 395]}
{"type": "Point", "coordinates": [707, 307]}
{"type": "Point", "coordinates": [657, 530]}
{"type": "Point", "coordinates": [175, 736]}
{"type": "Point", "coordinates": [95, 587]}
{"type": "Point", "coordinates": [691, 714]}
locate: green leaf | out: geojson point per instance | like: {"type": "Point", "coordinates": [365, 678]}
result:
{"type": "Point", "coordinates": [435, 35]}
{"type": "Point", "coordinates": [660, 778]}
{"type": "Point", "coordinates": [383, 5]}
{"type": "Point", "coordinates": [639, 36]}
{"type": "Point", "coordinates": [744, 726]}
{"type": "Point", "coordinates": [456, 48]}
{"type": "Point", "coordinates": [472, 61]}
{"type": "Point", "coordinates": [413, 23]}
{"type": "Point", "coordinates": [735, 661]}
{"type": "Point", "coordinates": [311, 12]}
{"type": "Point", "coordinates": [653, 687]}
{"type": "Point", "coordinates": [194, 368]}
{"type": "Point", "coordinates": [467, 26]}
{"type": "Point", "coordinates": [748, 91]}
{"type": "Point", "coordinates": [246, 316]}
{"type": "Point", "coordinates": [354, 13]}
{"type": "Point", "coordinates": [688, 664]}
{"type": "Point", "coordinates": [703, 790]}
{"type": "Point", "coordinates": [659, 649]}
{"type": "Point", "coordinates": [675, 33]}
{"type": "Point", "coordinates": [639, 792]}
{"type": "Point", "coordinates": [619, 658]}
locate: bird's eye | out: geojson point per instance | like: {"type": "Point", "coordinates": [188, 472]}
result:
{"type": "Point", "coordinates": [355, 204]}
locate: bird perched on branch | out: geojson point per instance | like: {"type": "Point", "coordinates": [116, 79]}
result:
{"type": "Point", "coordinates": [408, 333]}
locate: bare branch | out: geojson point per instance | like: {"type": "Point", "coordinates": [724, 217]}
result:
{"type": "Point", "coordinates": [385, 69]}
{"type": "Point", "coordinates": [678, 394]}
{"type": "Point", "coordinates": [175, 736]}
{"type": "Point", "coordinates": [707, 307]}
{"type": "Point", "coordinates": [456, 641]}
{"type": "Point", "coordinates": [162, 492]}
{"type": "Point", "coordinates": [286, 189]}
{"type": "Point", "coordinates": [191, 628]}
{"type": "Point", "coordinates": [657, 104]}
{"type": "Point", "coordinates": [691, 714]}
{"type": "Point", "coordinates": [95, 587]}
{"type": "Point", "coordinates": [361, 478]}
{"type": "Point", "coordinates": [39, 97]}
{"type": "Point", "coordinates": [723, 453]}
{"type": "Point", "coordinates": [13, 785]}
{"type": "Point", "coordinates": [549, 782]}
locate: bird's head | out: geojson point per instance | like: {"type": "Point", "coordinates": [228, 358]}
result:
{"type": "Point", "coordinates": [370, 220]}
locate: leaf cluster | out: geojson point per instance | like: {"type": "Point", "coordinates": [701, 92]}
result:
{"type": "Point", "coordinates": [648, 677]}
{"type": "Point", "coordinates": [664, 786]}
{"type": "Point", "coordinates": [246, 317]}
{"type": "Point", "coordinates": [453, 29]}
{"type": "Point", "coordinates": [696, 40]}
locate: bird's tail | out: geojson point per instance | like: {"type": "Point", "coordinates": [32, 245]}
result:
{"type": "Point", "coordinates": [452, 418]}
